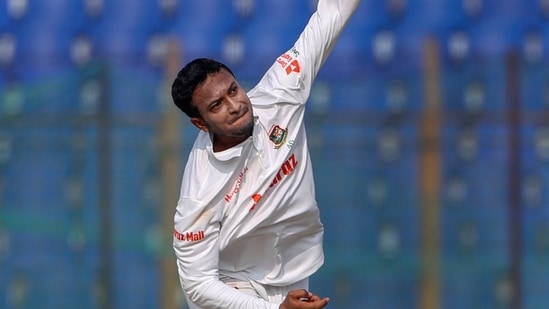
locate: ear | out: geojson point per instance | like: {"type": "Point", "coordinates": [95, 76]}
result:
{"type": "Point", "coordinates": [200, 124]}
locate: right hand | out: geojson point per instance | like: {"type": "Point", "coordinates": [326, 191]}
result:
{"type": "Point", "coordinates": [302, 299]}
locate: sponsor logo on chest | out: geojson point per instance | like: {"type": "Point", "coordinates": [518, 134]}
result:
{"type": "Point", "coordinates": [236, 186]}
{"type": "Point", "coordinates": [286, 169]}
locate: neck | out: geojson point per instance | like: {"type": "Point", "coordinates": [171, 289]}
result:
{"type": "Point", "coordinates": [221, 143]}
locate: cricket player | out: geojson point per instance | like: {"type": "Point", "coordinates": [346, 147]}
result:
{"type": "Point", "coordinates": [247, 227]}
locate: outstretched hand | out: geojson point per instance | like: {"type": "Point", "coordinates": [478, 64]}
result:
{"type": "Point", "coordinates": [302, 299]}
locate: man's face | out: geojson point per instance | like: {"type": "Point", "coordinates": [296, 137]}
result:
{"type": "Point", "coordinates": [224, 107]}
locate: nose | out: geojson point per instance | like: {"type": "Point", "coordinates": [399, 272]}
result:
{"type": "Point", "coordinates": [233, 105]}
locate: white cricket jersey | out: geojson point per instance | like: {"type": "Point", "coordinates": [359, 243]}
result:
{"type": "Point", "coordinates": [250, 212]}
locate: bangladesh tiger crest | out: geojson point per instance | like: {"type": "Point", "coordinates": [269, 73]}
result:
{"type": "Point", "coordinates": [278, 135]}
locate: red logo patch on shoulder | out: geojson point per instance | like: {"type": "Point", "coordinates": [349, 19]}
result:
{"type": "Point", "coordinates": [289, 63]}
{"type": "Point", "coordinates": [278, 135]}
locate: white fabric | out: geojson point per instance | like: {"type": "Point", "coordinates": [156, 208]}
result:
{"type": "Point", "coordinates": [222, 228]}
{"type": "Point", "coordinates": [273, 294]}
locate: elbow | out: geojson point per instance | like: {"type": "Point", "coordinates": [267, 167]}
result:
{"type": "Point", "coordinates": [192, 294]}
{"type": "Point", "coordinates": [190, 290]}
{"type": "Point", "coordinates": [195, 289]}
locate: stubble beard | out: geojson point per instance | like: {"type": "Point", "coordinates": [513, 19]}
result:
{"type": "Point", "coordinates": [238, 133]}
{"type": "Point", "coordinates": [245, 130]}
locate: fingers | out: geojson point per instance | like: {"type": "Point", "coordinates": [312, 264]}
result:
{"type": "Point", "coordinates": [304, 300]}
{"type": "Point", "coordinates": [299, 294]}
{"type": "Point", "coordinates": [317, 302]}
{"type": "Point", "coordinates": [315, 298]}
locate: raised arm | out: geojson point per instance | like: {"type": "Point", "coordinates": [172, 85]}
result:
{"type": "Point", "coordinates": [294, 72]}
{"type": "Point", "coordinates": [321, 33]}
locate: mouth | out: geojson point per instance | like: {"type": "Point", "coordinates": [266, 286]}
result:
{"type": "Point", "coordinates": [241, 116]}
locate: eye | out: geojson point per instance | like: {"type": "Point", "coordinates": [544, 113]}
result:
{"type": "Point", "coordinates": [215, 105]}
{"type": "Point", "coordinates": [233, 90]}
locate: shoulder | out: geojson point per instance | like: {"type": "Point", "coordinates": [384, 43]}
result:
{"type": "Point", "coordinates": [281, 83]}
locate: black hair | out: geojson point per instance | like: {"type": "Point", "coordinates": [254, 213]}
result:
{"type": "Point", "coordinates": [190, 77]}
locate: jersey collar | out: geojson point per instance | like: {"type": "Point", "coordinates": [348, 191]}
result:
{"type": "Point", "coordinates": [235, 151]}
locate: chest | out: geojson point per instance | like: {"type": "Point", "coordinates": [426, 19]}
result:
{"type": "Point", "coordinates": [245, 180]}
